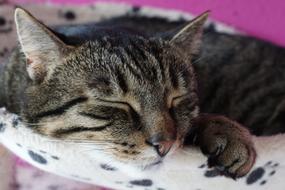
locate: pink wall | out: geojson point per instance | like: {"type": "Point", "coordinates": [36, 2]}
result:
{"type": "Point", "coordinates": [261, 18]}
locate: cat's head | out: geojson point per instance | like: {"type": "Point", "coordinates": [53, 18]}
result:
{"type": "Point", "coordinates": [128, 97]}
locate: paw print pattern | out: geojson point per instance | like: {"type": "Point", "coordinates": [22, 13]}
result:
{"type": "Point", "coordinates": [136, 9]}
{"type": "Point", "coordinates": [146, 184]}
{"type": "Point", "coordinates": [40, 156]}
{"type": "Point", "coordinates": [14, 120]}
{"type": "Point", "coordinates": [210, 172]}
{"type": "Point", "coordinates": [37, 157]}
{"type": "Point", "coordinates": [107, 167]}
{"type": "Point", "coordinates": [2, 127]}
{"type": "Point", "coordinates": [68, 15]}
{"type": "Point", "coordinates": [6, 26]}
{"type": "Point", "coordinates": [261, 175]}
{"type": "Point", "coordinates": [4, 52]}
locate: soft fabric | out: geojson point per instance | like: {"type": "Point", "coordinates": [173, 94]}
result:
{"type": "Point", "coordinates": [6, 169]}
{"type": "Point", "coordinates": [184, 170]}
{"type": "Point", "coordinates": [25, 177]}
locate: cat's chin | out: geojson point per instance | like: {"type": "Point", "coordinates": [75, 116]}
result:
{"type": "Point", "coordinates": [147, 161]}
{"type": "Point", "coordinates": [157, 161]}
{"type": "Point", "coordinates": [143, 165]}
{"type": "Point", "coordinates": [139, 170]}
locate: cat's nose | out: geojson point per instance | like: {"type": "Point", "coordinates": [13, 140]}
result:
{"type": "Point", "coordinates": [161, 144]}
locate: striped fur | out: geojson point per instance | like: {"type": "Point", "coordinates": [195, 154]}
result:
{"type": "Point", "coordinates": [245, 82]}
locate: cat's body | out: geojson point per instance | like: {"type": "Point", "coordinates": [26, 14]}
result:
{"type": "Point", "coordinates": [128, 86]}
{"type": "Point", "coordinates": [238, 76]}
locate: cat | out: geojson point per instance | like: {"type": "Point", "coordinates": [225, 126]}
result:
{"type": "Point", "coordinates": [128, 85]}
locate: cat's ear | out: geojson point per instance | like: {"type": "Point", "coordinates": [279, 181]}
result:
{"type": "Point", "coordinates": [189, 37]}
{"type": "Point", "coordinates": [42, 48]}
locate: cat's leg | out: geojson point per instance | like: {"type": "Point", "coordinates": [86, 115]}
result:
{"type": "Point", "coordinates": [227, 144]}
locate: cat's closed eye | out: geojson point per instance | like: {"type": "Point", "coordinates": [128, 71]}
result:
{"type": "Point", "coordinates": [177, 99]}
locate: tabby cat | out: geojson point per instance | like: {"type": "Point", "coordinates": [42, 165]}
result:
{"type": "Point", "coordinates": [129, 85]}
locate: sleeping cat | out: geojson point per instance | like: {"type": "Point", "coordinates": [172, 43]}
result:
{"type": "Point", "coordinates": [129, 86]}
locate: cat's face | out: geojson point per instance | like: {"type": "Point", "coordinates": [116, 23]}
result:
{"type": "Point", "coordinates": [132, 98]}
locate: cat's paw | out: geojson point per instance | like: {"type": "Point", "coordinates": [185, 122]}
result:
{"type": "Point", "coordinates": [227, 144]}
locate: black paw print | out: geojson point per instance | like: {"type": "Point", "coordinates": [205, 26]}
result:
{"type": "Point", "coordinates": [2, 127]}
{"type": "Point", "coordinates": [16, 121]}
{"type": "Point", "coordinates": [40, 157]}
{"type": "Point", "coordinates": [210, 172]}
{"type": "Point", "coordinates": [5, 25]}
{"type": "Point", "coordinates": [147, 184]}
{"type": "Point", "coordinates": [136, 9]}
{"type": "Point", "coordinates": [4, 52]}
{"type": "Point", "coordinates": [69, 15]}
{"type": "Point", "coordinates": [262, 174]}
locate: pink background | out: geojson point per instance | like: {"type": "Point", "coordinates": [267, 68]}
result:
{"type": "Point", "coordinates": [261, 18]}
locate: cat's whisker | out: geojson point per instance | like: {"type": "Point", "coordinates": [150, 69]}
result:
{"type": "Point", "coordinates": [146, 162]}
{"type": "Point", "coordinates": [92, 145]}
{"type": "Point", "coordinates": [83, 144]}
{"type": "Point", "coordinates": [88, 142]}
{"type": "Point", "coordinates": [186, 152]}
{"type": "Point", "coordinates": [199, 59]}
{"type": "Point", "coordinates": [93, 149]}
{"type": "Point", "coordinates": [80, 141]}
